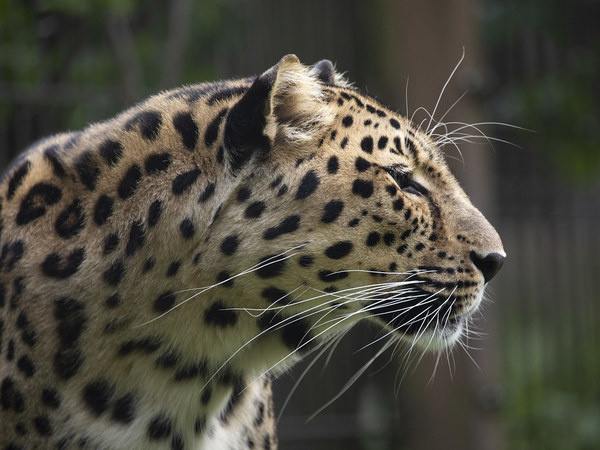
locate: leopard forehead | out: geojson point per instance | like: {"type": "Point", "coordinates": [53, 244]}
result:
{"type": "Point", "coordinates": [153, 264]}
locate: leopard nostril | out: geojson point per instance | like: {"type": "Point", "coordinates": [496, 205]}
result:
{"type": "Point", "coordinates": [488, 265]}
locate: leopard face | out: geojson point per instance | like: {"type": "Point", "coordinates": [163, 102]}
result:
{"type": "Point", "coordinates": [155, 264]}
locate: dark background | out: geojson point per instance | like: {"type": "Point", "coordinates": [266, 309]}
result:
{"type": "Point", "coordinates": [532, 381]}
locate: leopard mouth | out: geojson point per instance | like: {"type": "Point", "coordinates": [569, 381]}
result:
{"type": "Point", "coordinates": [425, 314]}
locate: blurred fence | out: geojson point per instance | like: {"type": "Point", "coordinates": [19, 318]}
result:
{"type": "Point", "coordinates": [550, 307]}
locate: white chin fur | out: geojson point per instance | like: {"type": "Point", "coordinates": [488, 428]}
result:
{"type": "Point", "coordinates": [439, 339]}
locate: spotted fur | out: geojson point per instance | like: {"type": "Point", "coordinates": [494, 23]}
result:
{"type": "Point", "coordinates": [157, 269]}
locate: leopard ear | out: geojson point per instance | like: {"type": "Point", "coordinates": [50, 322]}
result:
{"type": "Point", "coordinates": [284, 105]}
{"type": "Point", "coordinates": [324, 71]}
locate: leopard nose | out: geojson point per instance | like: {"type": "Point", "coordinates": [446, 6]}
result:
{"type": "Point", "coordinates": [489, 265]}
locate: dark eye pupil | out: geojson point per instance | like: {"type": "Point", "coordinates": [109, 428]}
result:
{"type": "Point", "coordinates": [406, 183]}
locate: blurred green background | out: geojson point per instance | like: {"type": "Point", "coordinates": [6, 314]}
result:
{"type": "Point", "coordinates": [533, 379]}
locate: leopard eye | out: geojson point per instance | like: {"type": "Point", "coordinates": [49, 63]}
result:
{"type": "Point", "coordinates": [405, 182]}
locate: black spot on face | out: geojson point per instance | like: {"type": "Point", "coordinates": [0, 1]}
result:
{"type": "Point", "coordinates": [260, 415]}
{"type": "Point", "coordinates": [69, 314]}
{"type": "Point", "coordinates": [382, 142]}
{"type": "Point", "coordinates": [339, 250]}
{"type": "Point", "coordinates": [347, 121]}
{"type": "Point", "coordinates": [329, 276]}
{"type": "Point", "coordinates": [186, 228]}
{"type": "Point", "coordinates": [308, 185]}
{"type": "Point", "coordinates": [114, 274]}
{"type": "Point", "coordinates": [28, 334]}
{"type": "Point", "coordinates": [18, 287]}
{"type": "Point", "coordinates": [395, 124]}
{"type": "Point", "coordinates": [187, 128]}
{"type": "Point", "coordinates": [362, 164]}
{"type": "Point", "coordinates": [168, 360]}
{"type": "Point", "coordinates": [124, 409]}
{"type": "Point", "coordinates": [208, 192]}
{"type": "Point", "coordinates": [103, 209]}
{"type": "Point", "coordinates": [282, 190]}
{"type": "Point", "coordinates": [67, 362]}
{"type": "Point", "coordinates": [212, 131]}
{"type": "Point", "coordinates": [276, 182]}
{"type": "Point", "coordinates": [97, 396]}
{"type": "Point", "coordinates": [332, 211]}
{"type": "Point", "coordinates": [149, 123]}
{"type": "Point", "coordinates": [295, 334]}
{"type": "Point", "coordinates": [113, 301]}
{"type": "Point", "coordinates": [71, 320]}
{"type": "Point", "coordinates": [366, 144]}
{"type": "Point", "coordinates": [364, 188]}
{"type": "Point", "coordinates": [42, 425]}
{"type": "Point", "coordinates": [111, 241]}
{"type": "Point", "coordinates": [333, 165]}
{"type": "Point", "coordinates": [26, 366]}
{"type": "Point", "coordinates": [148, 265]}
{"type": "Point", "coordinates": [154, 212]}
{"type": "Point", "coordinates": [243, 194]}
{"type": "Point", "coordinates": [275, 295]}
{"type": "Point", "coordinates": [34, 204]}
{"type": "Point", "coordinates": [70, 221]}
{"type": "Point", "coordinates": [398, 204]}
{"type": "Point", "coordinates": [159, 427]}
{"type": "Point", "coordinates": [111, 151]}
{"type": "Point", "coordinates": [51, 398]}
{"type": "Point", "coordinates": [145, 345]}
{"type": "Point", "coordinates": [17, 179]}
{"type": "Point", "coordinates": [129, 182]}
{"type": "Point", "coordinates": [54, 266]}
{"type": "Point", "coordinates": [164, 302]}
{"type": "Point", "coordinates": [173, 268]}
{"type": "Point", "coordinates": [254, 210]}
{"type": "Point", "coordinates": [225, 278]}
{"type": "Point", "coordinates": [177, 442]}
{"type": "Point", "coordinates": [230, 244]}
{"type": "Point", "coordinates": [190, 371]}
{"type": "Point", "coordinates": [392, 190]}
{"type": "Point", "coordinates": [183, 181]}
{"type": "Point", "coordinates": [373, 239]}
{"type": "Point", "coordinates": [288, 225]}
{"type": "Point", "coordinates": [306, 261]}
{"type": "Point", "coordinates": [271, 266]}
{"type": "Point", "coordinates": [410, 145]}
{"type": "Point", "coordinates": [136, 238]}
{"type": "Point", "coordinates": [51, 155]}
{"type": "Point", "coordinates": [158, 162]}
{"type": "Point", "coordinates": [11, 397]}
{"type": "Point", "coordinates": [389, 239]}
{"type": "Point", "coordinates": [88, 169]}
{"type": "Point", "coordinates": [219, 315]}
{"type": "Point", "coordinates": [12, 252]}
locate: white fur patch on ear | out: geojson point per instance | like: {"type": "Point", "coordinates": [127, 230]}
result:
{"type": "Point", "coordinates": [300, 109]}
{"type": "Point", "coordinates": [342, 81]}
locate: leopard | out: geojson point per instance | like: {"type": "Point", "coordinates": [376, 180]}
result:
{"type": "Point", "coordinates": [160, 269]}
